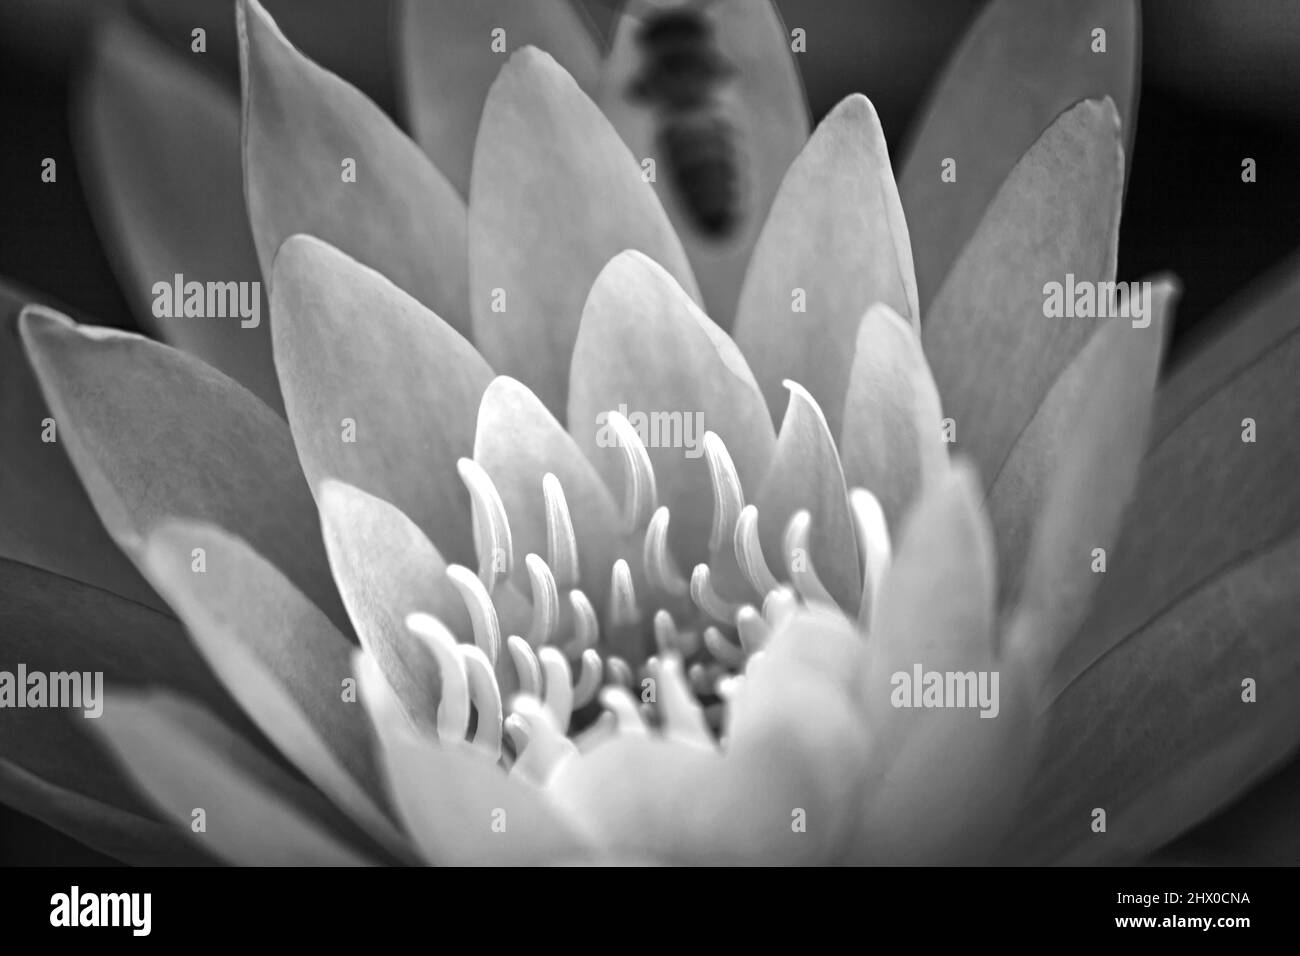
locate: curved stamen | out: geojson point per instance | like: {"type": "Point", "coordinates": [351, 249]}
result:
{"type": "Point", "coordinates": [538, 740]}
{"type": "Point", "coordinates": [526, 665]}
{"type": "Point", "coordinates": [586, 626]}
{"type": "Point", "coordinates": [660, 569]}
{"type": "Point", "coordinates": [725, 652]}
{"type": "Point", "coordinates": [589, 677]}
{"type": "Point", "coordinates": [558, 695]}
{"type": "Point", "coordinates": [622, 596]}
{"type": "Point", "coordinates": [546, 601]}
{"type": "Point", "coordinates": [482, 613]}
{"type": "Point", "coordinates": [640, 495]}
{"type": "Point", "coordinates": [618, 671]}
{"type": "Point", "coordinates": [707, 599]}
{"type": "Point", "coordinates": [779, 604]}
{"type": "Point", "coordinates": [665, 631]}
{"type": "Point", "coordinates": [491, 524]}
{"type": "Point", "coordinates": [701, 680]}
{"type": "Point", "coordinates": [561, 542]}
{"type": "Point", "coordinates": [486, 697]}
{"type": "Point", "coordinates": [798, 559]}
{"type": "Point", "coordinates": [749, 552]}
{"type": "Point", "coordinates": [620, 702]}
{"type": "Point", "coordinates": [752, 629]}
{"type": "Point", "coordinates": [682, 718]}
{"type": "Point", "coordinates": [873, 543]}
{"type": "Point", "coordinates": [453, 705]}
{"type": "Point", "coordinates": [728, 498]}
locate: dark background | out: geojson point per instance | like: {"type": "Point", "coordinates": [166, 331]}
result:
{"type": "Point", "coordinates": [1220, 81]}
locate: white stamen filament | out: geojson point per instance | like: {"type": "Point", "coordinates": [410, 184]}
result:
{"type": "Point", "coordinates": [482, 612]}
{"type": "Point", "coordinates": [453, 705]}
{"type": "Point", "coordinates": [661, 570]}
{"type": "Point", "coordinates": [561, 542]}
{"type": "Point", "coordinates": [798, 557]}
{"type": "Point", "coordinates": [640, 496]}
{"type": "Point", "coordinates": [728, 499]}
{"type": "Point", "coordinates": [526, 665]}
{"type": "Point", "coordinates": [491, 524]}
{"type": "Point", "coordinates": [546, 601]}
{"type": "Point", "coordinates": [485, 694]}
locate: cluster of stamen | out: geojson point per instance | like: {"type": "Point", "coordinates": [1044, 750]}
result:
{"type": "Point", "coordinates": [697, 640]}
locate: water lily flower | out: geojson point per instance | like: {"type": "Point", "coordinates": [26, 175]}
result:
{"type": "Point", "coordinates": [433, 565]}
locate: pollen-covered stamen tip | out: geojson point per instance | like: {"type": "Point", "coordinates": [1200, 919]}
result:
{"type": "Point", "coordinates": [779, 605]}
{"type": "Point", "coordinates": [665, 631]}
{"type": "Point", "coordinates": [619, 702]}
{"type": "Point", "coordinates": [561, 542]}
{"type": "Point", "coordinates": [623, 610]}
{"type": "Point", "coordinates": [640, 496]}
{"type": "Point", "coordinates": [798, 557]}
{"type": "Point", "coordinates": [557, 693]}
{"type": "Point", "coordinates": [728, 497]}
{"type": "Point", "coordinates": [752, 629]}
{"type": "Point", "coordinates": [491, 525]}
{"type": "Point", "coordinates": [589, 677]}
{"type": "Point", "coordinates": [546, 601]}
{"type": "Point", "coordinates": [724, 652]}
{"type": "Point", "coordinates": [707, 599]}
{"type": "Point", "coordinates": [526, 664]}
{"type": "Point", "coordinates": [660, 569]}
{"type": "Point", "coordinates": [482, 612]}
{"type": "Point", "coordinates": [749, 552]}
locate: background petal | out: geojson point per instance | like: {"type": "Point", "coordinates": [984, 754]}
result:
{"type": "Point", "coordinates": [518, 442]}
{"type": "Point", "coordinates": [55, 769]}
{"type": "Point", "coordinates": [401, 215]}
{"type": "Point", "coordinates": [1206, 500]}
{"type": "Point", "coordinates": [46, 520]}
{"type": "Point", "coordinates": [892, 441]}
{"type": "Point", "coordinates": [1057, 214]}
{"type": "Point", "coordinates": [154, 433]}
{"type": "Point", "coordinates": [805, 474]}
{"type": "Point", "coordinates": [256, 814]}
{"type": "Point", "coordinates": [555, 196]}
{"type": "Point", "coordinates": [836, 237]}
{"type": "Point", "coordinates": [1021, 64]}
{"type": "Point", "coordinates": [1065, 485]}
{"type": "Point", "coordinates": [644, 344]}
{"type": "Point", "coordinates": [159, 148]}
{"type": "Point", "coordinates": [279, 657]}
{"type": "Point", "coordinates": [446, 62]}
{"type": "Point", "coordinates": [386, 569]}
{"type": "Point", "coordinates": [1157, 733]}
{"type": "Point", "coordinates": [351, 346]}
{"type": "Point", "coordinates": [764, 106]}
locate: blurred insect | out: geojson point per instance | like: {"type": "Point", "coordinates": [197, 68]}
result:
{"type": "Point", "coordinates": [681, 78]}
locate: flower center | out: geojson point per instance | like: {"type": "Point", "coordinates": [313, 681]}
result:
{"type": "Point", "coordinates": [691, 637]}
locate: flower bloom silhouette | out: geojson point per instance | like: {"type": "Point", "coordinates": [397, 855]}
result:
{"type": "Point", "coordinates": [503, 620]}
